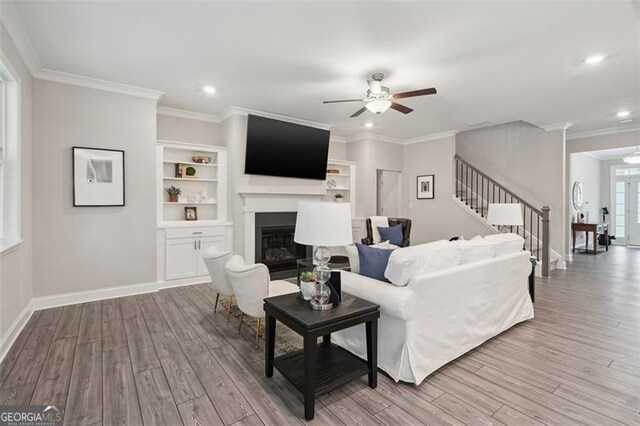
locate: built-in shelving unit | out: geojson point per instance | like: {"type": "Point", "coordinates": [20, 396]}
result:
{"type": "Point", "coordinates": [342, 181]}
{"type": "Point", "coordinates": [206, 190]}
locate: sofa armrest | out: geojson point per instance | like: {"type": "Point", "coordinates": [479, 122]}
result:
{"type": "Point", "coordinates": [394, 301]}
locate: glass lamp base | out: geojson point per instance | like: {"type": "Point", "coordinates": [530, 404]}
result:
{"type": "Point", "coordinates": [317, 306]}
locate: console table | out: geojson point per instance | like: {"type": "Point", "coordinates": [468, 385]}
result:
{"type": "Point", "coordinates": [318, 369]}
{"type": "Point", "coordinates": [595, 229]}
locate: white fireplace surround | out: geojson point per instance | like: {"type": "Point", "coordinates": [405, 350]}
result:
{"type": "Point", "coordinates": [267, 203]}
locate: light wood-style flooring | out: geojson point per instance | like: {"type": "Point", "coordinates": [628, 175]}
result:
{"type": "Point", "coordinates": [167, 359]}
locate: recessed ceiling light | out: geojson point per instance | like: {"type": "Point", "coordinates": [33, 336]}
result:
{"type": "Point", "coordinates": [209, 89]}
{"type": "Point", "coordinates": [623, 114]}
{"type": "Point", "coordinates": [594, 59]}
{"type": "Point", "coordinates": [368, 125]}
{"type": "Point", "coordinates": [628, 120]}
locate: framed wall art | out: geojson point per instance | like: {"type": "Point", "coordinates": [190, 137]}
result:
{"type": "Point", "coordinates": [425, 187]}
{"type": "Point", "coordinates": [98, 177]}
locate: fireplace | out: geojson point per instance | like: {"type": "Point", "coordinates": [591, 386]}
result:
{"type": "Point", "coordinates": [274, 245]}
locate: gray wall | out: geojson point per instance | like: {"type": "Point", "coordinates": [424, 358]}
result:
{"type": "Point", "coordinates": [525, 159]}
{"type": "Point", "coordinates": [596, 143]}
{"type": "Point", "coordinates": [88, 248]}
{"type": "Point", "coordinates": [442, 217]}
{"type": "Point", "coordinates": [179, 129]}
{"type": "Point", "coordinates": [16, 267]}
{"type": "Point", "coordinates": [371, 155]}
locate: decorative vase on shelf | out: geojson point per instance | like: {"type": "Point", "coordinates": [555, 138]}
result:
{"type": "Point", "coordinates": [204, 196]}
{"type": "Point", "coordinates": [173, 198]}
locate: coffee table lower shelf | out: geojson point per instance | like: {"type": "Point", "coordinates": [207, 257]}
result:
{"type": "Point", "coordinates": [334, 367]}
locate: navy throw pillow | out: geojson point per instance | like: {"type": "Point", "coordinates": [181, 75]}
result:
{"type": "Point", "coordinates": [373, 261]}
{"type": "Point", "coordinates": [393, 234]}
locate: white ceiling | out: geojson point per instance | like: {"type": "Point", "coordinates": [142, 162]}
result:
{"type": "Point", "coordinates": [489, 61]}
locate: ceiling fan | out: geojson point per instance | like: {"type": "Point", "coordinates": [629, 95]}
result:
{"type": "Point", "coordinates": [379, 99]}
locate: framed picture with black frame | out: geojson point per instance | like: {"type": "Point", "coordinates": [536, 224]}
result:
{"type": "Point", "coordinates": [98, 177]}
{"type": "Point", "coordinates": [425, 187]}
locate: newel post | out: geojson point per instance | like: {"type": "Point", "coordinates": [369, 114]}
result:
{"type": "Point", "coordinates": [546, 244]}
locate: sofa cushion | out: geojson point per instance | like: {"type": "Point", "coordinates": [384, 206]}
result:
{"type": "Point", "coordinates": [475, 250]}
{"type": "Point", "coordinates": [352, 254]}
{"type": "Point", "coordinates": [406, 263]}
{"type": "Point", "coordinates": [393, 234]}
{"type": "Point", "coordinates": [373, 261]}
{"type": "Point", "coordinates": [506, 243]}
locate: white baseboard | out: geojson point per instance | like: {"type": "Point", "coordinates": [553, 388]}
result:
{"type": "Point", "coordinates": [45, 302]}
{"type": "Point", "coordinates": [14, 330]}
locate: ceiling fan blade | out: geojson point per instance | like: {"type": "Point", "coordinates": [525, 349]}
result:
{"type": "Point", "coordinates": [403, 109]}
{"type": "Point", "coordinates": [343, 100]}
{"type": "Point", "coordinates": [414, 93]}
{"type": "Point", "coordinates": [358, 112]}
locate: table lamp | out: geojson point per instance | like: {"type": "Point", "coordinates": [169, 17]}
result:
{"type": "Point", "coordinates": [323, 225]}
{"type": "Point", "coordinates": [505, 216]}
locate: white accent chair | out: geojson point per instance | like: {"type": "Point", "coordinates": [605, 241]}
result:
{"type": "Point", "coordinates": [215, 261]}
{"type": "Point", "coordinates": [251, 285]}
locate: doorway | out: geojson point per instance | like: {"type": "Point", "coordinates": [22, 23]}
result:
{"type": "Point", "coordinates": [389, 193]}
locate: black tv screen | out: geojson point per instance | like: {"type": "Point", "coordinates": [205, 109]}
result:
{"type": "Point", "coordinates": [278, 148]}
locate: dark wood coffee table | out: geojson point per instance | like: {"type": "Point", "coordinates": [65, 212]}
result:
{"type": "Point", "coordinates": [318, 369]}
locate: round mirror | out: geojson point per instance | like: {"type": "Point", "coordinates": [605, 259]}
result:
{"type": "Point", "coordinates": [576, 195]}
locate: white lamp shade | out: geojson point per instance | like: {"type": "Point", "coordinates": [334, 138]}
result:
{"type": "Point", "coordinates": [323, 224]}
{"type": "Point", "coordinates": [505, 214]}
{"type": "Point", "coordinates": [378, 106]}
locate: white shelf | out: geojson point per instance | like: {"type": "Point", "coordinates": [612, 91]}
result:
{"type": "Point", "coordinates": [337, 174]}
{"type": "Point", "coordinates": [338, 189]}
{"type": "Point", "coordinates": [182, 203]}
{"type": "Point", "coordinates": [190, 179]}
{"type": "Point", "coordinates": [190, 163]}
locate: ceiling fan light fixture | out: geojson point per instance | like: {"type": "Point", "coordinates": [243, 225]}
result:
{"type": "Point", "coordinates": [633, 158]}
{"type": "Point", "coordinates": [378, 106]}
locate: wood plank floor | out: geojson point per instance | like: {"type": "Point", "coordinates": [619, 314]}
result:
{"type": "Point", "coordinates": [167, 359]}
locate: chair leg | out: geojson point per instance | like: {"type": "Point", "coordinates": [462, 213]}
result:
{"type": "Point", "coordinates": [215, 307]}
{"type": "Point", "coordinates": [229, 307]}
{"type": "Point", "coordinates": [258, 331]}
{"type": "Point", "coordinates": [240, 322]}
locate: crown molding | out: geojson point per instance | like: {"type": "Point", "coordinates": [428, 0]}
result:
{"type": "Point", "coordinates": [191, 115]}
{"type": "Point", "coordinates": [94, 83]}
{"type": "Point", "coordinates": [337, 139]}
{"type": "Point", "coordinates": [601, 132]}
{"type": "Point", "coordinates": [565, 125]}
{"type": "Point", "coordinates": [373, 136]}
{"type": "Point", "coordinates": [431, 137]}
{"type": "Point", "coordinates": [236, 110]}
{"type": "Point", "coordinates": [18, 34]}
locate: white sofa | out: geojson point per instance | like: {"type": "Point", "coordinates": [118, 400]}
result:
{"type": "Point", "coordinates": [442, 314]}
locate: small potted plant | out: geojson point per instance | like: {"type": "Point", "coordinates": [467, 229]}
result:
{"type": "Point", "coordinates": [173, 193]}
{"type": "Point", "coordinates": [307, 285]}
{"type": "Point", "coordinates": [339, 197]}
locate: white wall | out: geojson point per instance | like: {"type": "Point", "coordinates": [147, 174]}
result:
{"type": "Point", "coordinates": [586, 169]}
{"type": "Point", "coordinates": [337, 150]}
{"type": "Point", "coordinates": [179, 129]}
{"type": "Point", "coordinates": [528, 161]}
{"type": "Point", "coordinates": [16, 277]}
{"type": "Point", "coordinates": [370, 155]}
{"type": "Point", "coordinates": [442, 217]}
{"type": "Point", "coordinates": [596, 143]}
{"type": "Point", "coordinates": [88, 248]}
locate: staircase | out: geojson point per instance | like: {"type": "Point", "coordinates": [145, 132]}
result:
{"type": "Point", "coordinates": [475, 190]}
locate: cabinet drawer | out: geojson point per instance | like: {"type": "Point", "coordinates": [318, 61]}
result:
{"type": "Point", "coordinates": [173, 233]}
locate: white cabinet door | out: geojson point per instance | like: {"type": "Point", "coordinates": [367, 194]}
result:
{"type": "Point", "coordinates": [205, 243]}
{"type": "Point", "coordinates": [181, 258]}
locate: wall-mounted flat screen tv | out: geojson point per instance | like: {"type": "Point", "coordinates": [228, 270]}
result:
{"type": "Point", "coordinates": [278, 148]}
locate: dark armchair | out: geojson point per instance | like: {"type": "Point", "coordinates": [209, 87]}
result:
{"type": "Point", "coordinates": [393, 221]}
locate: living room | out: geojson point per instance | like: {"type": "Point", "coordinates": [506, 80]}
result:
{"type": "Point", "coordinates": [469, 107]}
